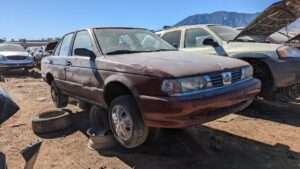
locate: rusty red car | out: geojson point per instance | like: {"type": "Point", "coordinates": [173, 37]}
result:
{"type": "Point", "coordinates": [142, 81]}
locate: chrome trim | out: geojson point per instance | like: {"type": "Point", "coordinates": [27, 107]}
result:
{"type": "Point", "coordinates": [208, 80]}
{"type": "Point", "coordinates": [210, 89]}
{"type": "Point", "coordinates": [243, 73]}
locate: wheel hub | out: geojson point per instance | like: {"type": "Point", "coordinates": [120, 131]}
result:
{"type": "Point", "coordinates": [122, 122]}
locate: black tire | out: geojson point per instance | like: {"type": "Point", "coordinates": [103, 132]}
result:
{"type": "Point", "coordinates": [59, 99]}
{"type": "Point", "coordinates": [99, 120]}
{"type": "Point", "coordinates": [139, 132]}
{"type": "Point", "coordinates": [50, 121]}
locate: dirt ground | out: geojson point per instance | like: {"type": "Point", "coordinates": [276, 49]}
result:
{"type": "Point", "coordinates": [262, 136]}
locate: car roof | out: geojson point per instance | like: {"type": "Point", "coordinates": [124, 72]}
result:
{"type": "Point", "coordinates": [186, 26]}
{"type": "Point", "coordinates": [106, 27]}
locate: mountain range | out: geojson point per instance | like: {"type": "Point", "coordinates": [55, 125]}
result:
{"type": "Point", "coordinates": [233, 19]}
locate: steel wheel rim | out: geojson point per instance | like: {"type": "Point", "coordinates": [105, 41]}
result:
{"type": "Point", "coordinates": [122, 122]}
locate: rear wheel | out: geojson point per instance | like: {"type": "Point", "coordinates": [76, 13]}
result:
{"type": "Point", "coordinates": [126, 122]}
{"type": "Point", "coordinates": [59, 99]}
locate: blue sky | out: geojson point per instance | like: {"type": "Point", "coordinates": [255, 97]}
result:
{"type": "Point", "coordinates": [34, 19]}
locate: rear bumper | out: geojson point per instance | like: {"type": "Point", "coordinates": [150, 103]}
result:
{"type": "Point", "coordinates": [180, 112]}
{"type": "Point", "coordinates": [286, 72]}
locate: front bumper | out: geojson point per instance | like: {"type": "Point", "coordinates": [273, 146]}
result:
{"type": "Point", "coordinates": [16, 65]}
{"type": "Point", "coordinates": [180, 112]}
{"type": "Point", "coordinates": [285, 72]}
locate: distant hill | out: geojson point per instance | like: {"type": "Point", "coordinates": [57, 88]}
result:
{"type": "Point", "coordinates": [232, 19]}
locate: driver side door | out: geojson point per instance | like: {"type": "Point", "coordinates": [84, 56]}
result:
{"type": "Point", "coordinates": [81, 70]}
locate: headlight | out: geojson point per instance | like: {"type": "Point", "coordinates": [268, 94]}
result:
{"type": "Point", "coordinates": [247, 72]}
{"type": "Point", "coordinates": [287, 51]}
{"type": "Point", "coordinates": [171, 87]}
{"type": "Point", "coordinates": [176, 86]}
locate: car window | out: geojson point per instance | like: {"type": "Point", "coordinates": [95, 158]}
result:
{"type": "Point", "coordinates": [173, 37]}
{"type": "Point", "coordinates": [82, 40]}
{"type": "Point", "coordinates": [57, 49]}
{"type": "Point", "coordinates": [65, 45]}
{"type": "Point", "coordinates": [194, 37]}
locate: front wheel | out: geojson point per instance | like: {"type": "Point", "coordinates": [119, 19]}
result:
{"type": "Point", "coordinates": [126, 122]}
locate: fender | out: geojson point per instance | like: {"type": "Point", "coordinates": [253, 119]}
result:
{"type": "Point", "coordinates": [120, 78]}
{"type": "Point", "coordinates": [259, 56]}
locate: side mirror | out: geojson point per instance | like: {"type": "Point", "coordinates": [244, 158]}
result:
{"type": "Point", "coordinates": [84, 52]}
{"type": "Point", "coordinates": [210, 42]}
{"type": "Point", "coordinates": [175, 45]}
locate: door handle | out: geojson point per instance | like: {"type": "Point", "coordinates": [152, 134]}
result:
{"type": "Point", "coordinates": [69, 63]}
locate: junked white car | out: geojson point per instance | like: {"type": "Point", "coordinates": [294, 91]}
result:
{"type": "Point", "coordinates": [14, 56]}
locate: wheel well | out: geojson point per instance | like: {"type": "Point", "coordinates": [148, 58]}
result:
{"type": "Point", "coordinates": [113, 90]}
{"type": "Point", "coordinates": [263, 73]}
{"type": "Point", "coordinates": [49, 78]}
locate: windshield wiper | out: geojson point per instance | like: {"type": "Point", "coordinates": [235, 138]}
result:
{"type": "Point", "coordinates": [242, 40]}
{"type": "Point", "coordinates": [122, 52]}
{"type": "Point", "coordinates": [158, 50]}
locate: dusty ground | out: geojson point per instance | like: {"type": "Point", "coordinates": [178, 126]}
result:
{"type": "Point", "coordinates": [262, 136]}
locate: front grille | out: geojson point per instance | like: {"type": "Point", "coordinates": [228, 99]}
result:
{"type": "Point", "coordinates": [16, 57]}
{"type": "Point", "coordinates": [217, 78]}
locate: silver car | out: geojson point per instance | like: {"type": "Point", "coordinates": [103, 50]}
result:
{"type": "Point", "coordinates": [14, 56]}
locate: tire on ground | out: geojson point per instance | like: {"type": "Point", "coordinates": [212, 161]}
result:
{"type": "Point", "coordinates": [140, 131]}
{"type": "Point", "coordinates": [59, 99]}
{"type": "Point", "coordinates": [50, 121]}
{"type": "Point", "coordinates": [99, 120]}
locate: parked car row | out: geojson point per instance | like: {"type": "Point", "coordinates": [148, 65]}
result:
{"type": "Point", "coordinates": [14, 56]}
{"type": "Point", "coordinates": [143, 80]}
{"type": "Point", "coordinates": [173, 80]}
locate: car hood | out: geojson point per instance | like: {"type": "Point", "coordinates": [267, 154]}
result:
{"type": "Point", "coordinates": [169, 63]}
{"type": "Point", "coordinates": [274, 18]}
{"type": "Point", "coordinates": [8, 54]}
{"type": "Point", "coordinates": [242, 48]}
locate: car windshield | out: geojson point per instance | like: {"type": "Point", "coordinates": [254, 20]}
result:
{"type": "Point", "coordinates": [229, 34]}
{"type": "Point", "coordinates": [11, 48]}
{"type": "Point", "coordinates": [120, 41]}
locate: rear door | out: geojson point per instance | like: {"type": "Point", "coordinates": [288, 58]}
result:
{"type": "Point", "coordinates": [81, 71]}
{"type": "Point", "coordinates": [59, 61]}
{"type": "Point", "coordinates": [193, 41]}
